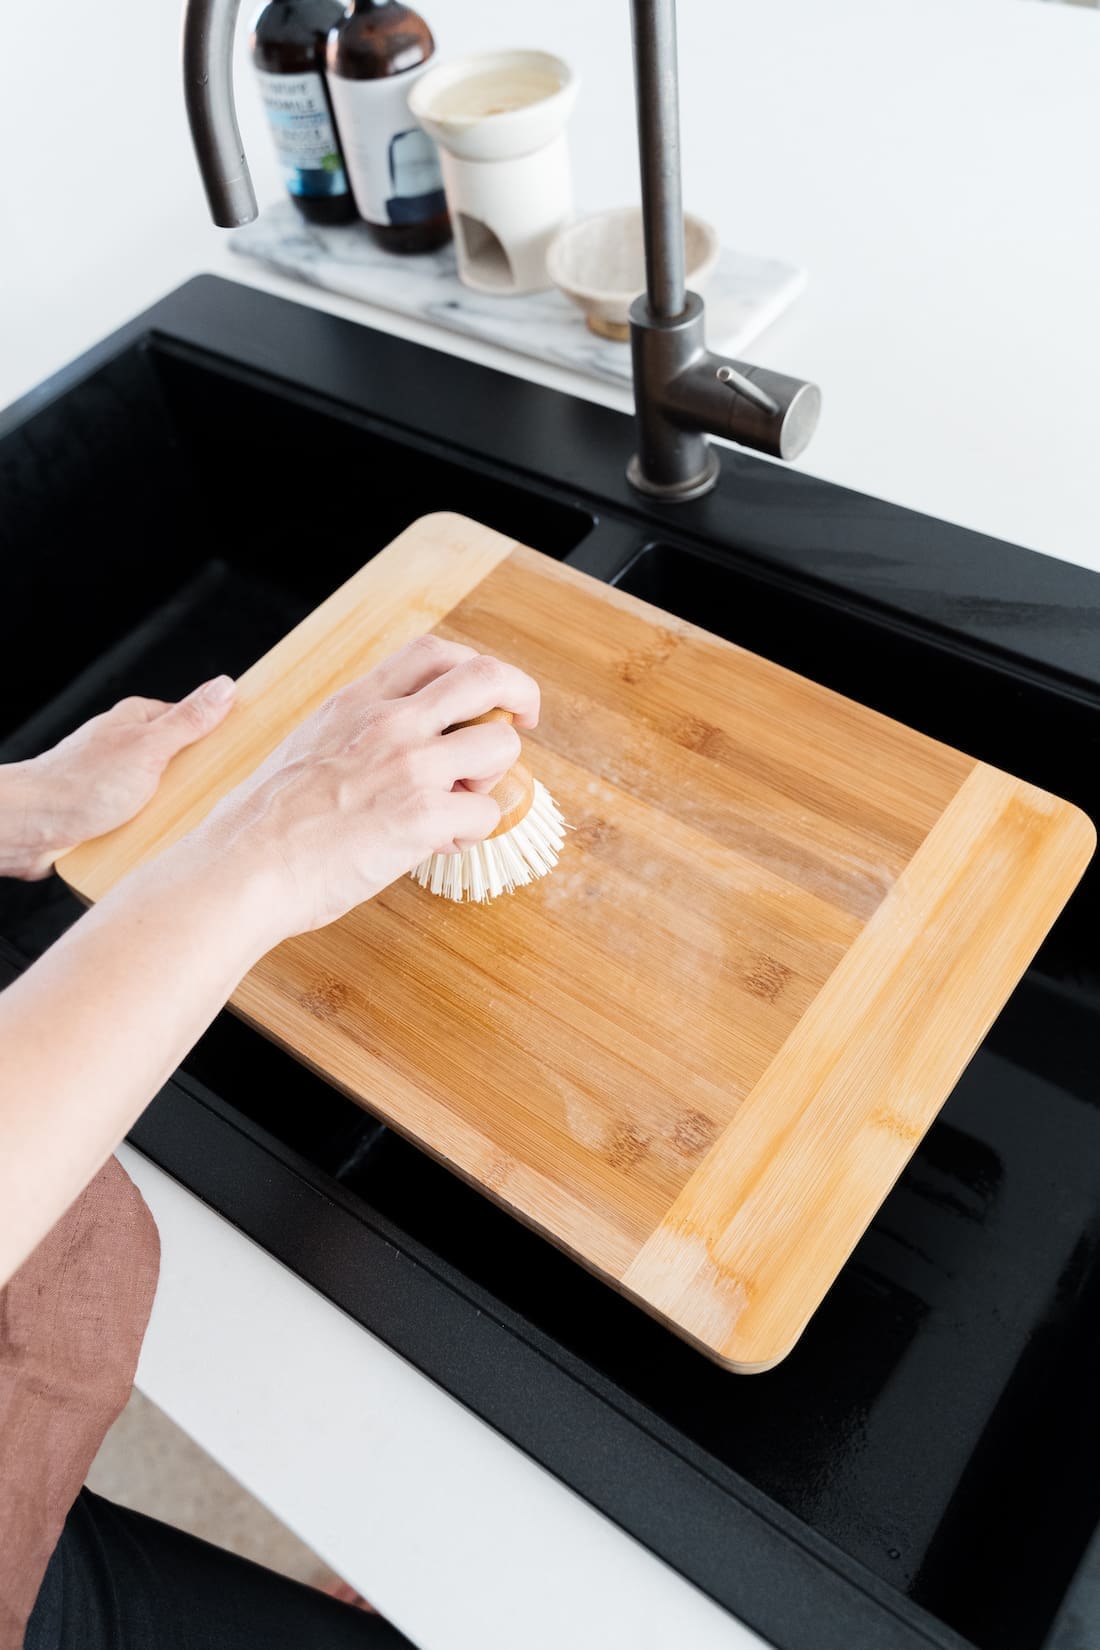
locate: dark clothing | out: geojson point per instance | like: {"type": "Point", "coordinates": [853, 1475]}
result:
{"type": "Point", "coordinates": [120, 1581]}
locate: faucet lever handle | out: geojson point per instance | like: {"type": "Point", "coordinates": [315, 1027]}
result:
{"type": "Point", "coordinates": [740, 385]}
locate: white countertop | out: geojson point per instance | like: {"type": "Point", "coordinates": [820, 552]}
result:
{"type": "Point", "coordinates": [933, 164]}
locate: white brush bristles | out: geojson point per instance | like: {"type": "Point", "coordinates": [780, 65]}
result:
{"type": "Point", "coordinates": [503, 863]}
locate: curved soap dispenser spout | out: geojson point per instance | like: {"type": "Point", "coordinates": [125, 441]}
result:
{"type": "Point", "coordinates": [208, 30]}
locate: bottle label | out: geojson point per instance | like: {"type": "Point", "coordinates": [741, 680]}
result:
{"type": "Point", "coordinates": [392, 163]}
{"type": "Point", "coordinates": [305, 141]}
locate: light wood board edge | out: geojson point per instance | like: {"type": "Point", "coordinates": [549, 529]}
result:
{"type": "Point", "coordinates": [402, 592]}
{"type": "Point", "coordinates": [519, 1189]}
{"type": "Point", "coordinates": [698, 1271]}
{"type": "Point", "coordinates": [866, 1069]}
{"type": "Point", "coordinates": [673, 625]}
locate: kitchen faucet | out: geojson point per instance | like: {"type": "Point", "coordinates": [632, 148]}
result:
{"type": "Point", "coordinates": [681, 390]}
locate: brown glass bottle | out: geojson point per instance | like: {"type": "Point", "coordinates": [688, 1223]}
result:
{"type": "Point", "coordinates": [288, 51]}
{"type": "Point", "coordinates": [392, 164]}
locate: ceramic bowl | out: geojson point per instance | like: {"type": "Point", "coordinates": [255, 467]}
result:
{"type": "Point", "coordinates": [599, 263]}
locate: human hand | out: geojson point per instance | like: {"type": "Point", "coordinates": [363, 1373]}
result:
{"type": "Point", "coordinates": [371, 784]}
{"type": "Point", "coordinates": [98, 777]}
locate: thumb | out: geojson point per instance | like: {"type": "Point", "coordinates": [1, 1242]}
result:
{"type": "Point", "coordinates": [190, 719]}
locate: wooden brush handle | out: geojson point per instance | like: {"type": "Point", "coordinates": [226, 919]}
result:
{"type": "Point", "coordinates": [516, 791]}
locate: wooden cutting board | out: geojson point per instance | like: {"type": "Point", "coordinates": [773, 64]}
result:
{"type": "Point", "coordinates": [698, 1055]}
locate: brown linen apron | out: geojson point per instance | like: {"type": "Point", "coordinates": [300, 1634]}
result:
{"type": "Point", "coordinates": [71, 1326]}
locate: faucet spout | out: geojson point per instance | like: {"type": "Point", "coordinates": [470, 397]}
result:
{"type": "Point", "coordinates": [681, 390]}
{"type": "Point", "coordinates": [658, 109]}
{"type": "Point", "coordinates": [208, 30]}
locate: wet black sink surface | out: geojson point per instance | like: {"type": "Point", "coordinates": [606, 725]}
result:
{"type": "Point", "coordinates": [925, 1468]}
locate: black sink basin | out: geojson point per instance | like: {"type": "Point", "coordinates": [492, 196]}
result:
{"type": "Point", "coordinates": [925, 1468]}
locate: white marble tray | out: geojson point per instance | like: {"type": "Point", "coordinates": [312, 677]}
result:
{"type": "Point", "coordinates": [744, 295]}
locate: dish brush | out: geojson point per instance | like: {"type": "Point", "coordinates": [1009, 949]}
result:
{"type": "Point", "coordinates": [524, 846]}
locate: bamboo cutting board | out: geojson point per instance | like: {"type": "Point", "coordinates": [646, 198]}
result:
{"type": "Point", "coordinates": [697, 1055]}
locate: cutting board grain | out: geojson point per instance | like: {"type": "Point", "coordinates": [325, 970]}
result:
{"type": "Point", "coordinates": [698, 1055]}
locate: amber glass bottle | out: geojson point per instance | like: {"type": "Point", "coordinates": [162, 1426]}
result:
{"type": "Point", "coordinates": [374, 56]}
{"type": "Point", "coordinates": [288, 51]}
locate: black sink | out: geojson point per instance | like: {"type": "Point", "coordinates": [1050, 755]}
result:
{"type": "Point", "coordinates": [925, 1468]}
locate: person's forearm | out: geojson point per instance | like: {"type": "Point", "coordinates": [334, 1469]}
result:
{"type": "Point", "coordinates": [91, 1032]}
{"type": "Point", "coordinates": [26, 847]}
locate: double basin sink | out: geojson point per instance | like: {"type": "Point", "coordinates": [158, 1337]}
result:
{"type": "Point", "coordinates": [925, 1468]}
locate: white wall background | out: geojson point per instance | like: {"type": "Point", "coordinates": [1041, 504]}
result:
{"type": "Point", "coordinates": [933, 163]}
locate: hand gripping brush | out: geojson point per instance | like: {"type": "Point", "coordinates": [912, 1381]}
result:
{"type": "Point", "coordinates": [525, 844]}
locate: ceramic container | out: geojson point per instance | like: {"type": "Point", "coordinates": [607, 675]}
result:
{"type": "Point", "coordinates": [499, 121]}
{"type": "Point", "coordinates": [599, 263]}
